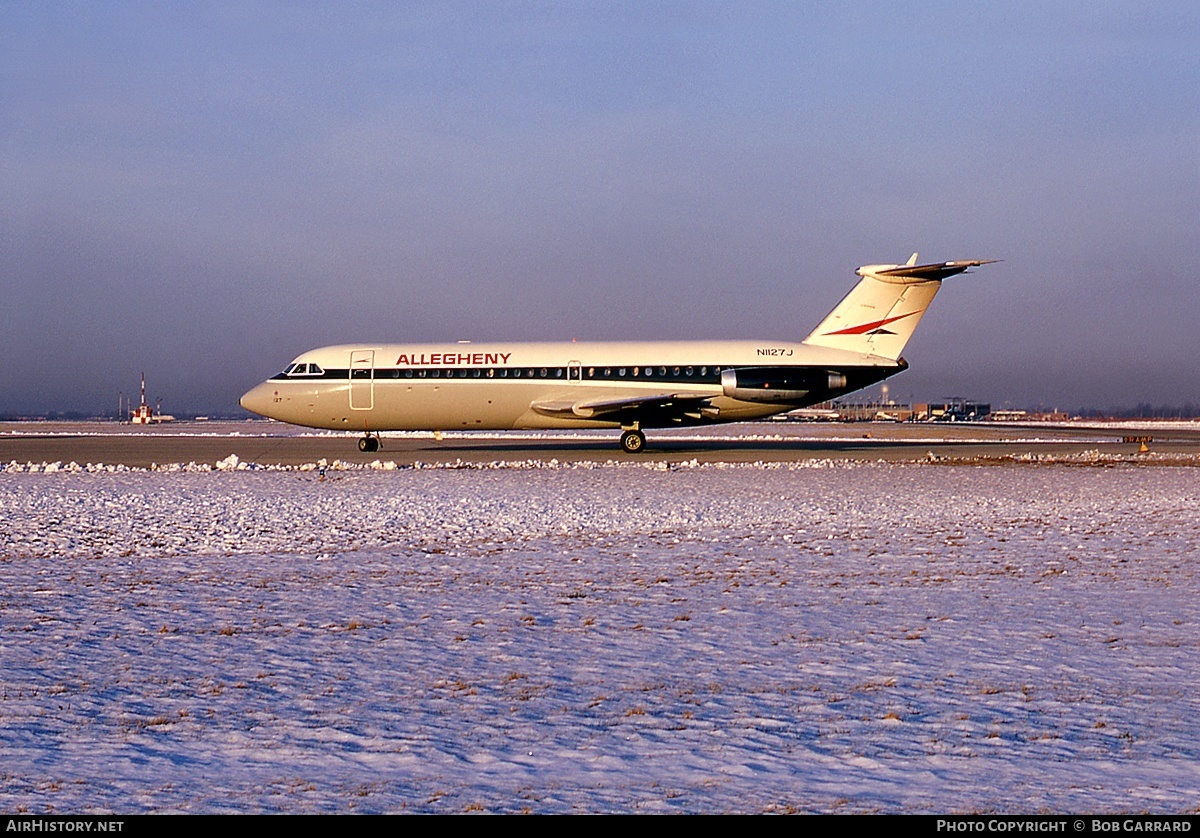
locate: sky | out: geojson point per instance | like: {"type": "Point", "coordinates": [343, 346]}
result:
{"type": "Point", "coordinates": [202, 191]}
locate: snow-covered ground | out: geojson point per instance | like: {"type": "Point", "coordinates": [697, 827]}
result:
{"type": "Point", "coordinates": [814, 636]}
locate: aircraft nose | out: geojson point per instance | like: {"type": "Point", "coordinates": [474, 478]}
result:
{"type": "Point", "coordinates": [259, 399]}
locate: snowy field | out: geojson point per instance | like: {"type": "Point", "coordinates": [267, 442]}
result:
{"type": "Point", "coordinates": [816, 636]}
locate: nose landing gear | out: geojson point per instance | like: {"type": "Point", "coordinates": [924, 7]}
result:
{"type": "Point", "coordinates": [368, 443]}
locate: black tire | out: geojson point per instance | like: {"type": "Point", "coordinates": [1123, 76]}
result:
{"type": "Point", "coordinates": [633, 442]}
{"type": "Point", "coordinates": [368, 443]}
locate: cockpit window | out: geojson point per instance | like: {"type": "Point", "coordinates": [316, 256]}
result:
{"type": "Point", "coordinates": [303, 369]}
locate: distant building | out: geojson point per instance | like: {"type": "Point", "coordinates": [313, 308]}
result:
{"type": "Point", "coordinates": [142, 414]}
{"type": "Point", "coordinates": [954, 410]}
{"type": "Point", "coordinates": [875, 411]}
{"type": "Point", "coordinates": [1026, 416]}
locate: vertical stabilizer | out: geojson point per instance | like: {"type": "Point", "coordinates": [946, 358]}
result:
{"type": "Point", "coordinates": [879, 314]}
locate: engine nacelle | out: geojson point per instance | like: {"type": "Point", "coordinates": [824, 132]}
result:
{"type": "Point", "coordinates": [782, 385]}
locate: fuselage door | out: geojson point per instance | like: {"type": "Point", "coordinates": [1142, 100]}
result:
{"type": "Point", "coordinates": [574, 371]}
{"type": "Point", "coordinates": [362, 379]}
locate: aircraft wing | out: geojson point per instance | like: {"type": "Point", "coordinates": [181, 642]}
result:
{"type": "Point", "coordinates": [631, 407]}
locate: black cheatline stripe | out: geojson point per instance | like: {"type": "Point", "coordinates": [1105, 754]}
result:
{"type": "Point", "coordinates": [608, 374]}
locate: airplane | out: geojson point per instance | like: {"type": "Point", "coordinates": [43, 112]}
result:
{"type": "Point", "coordinates": [375, 388]}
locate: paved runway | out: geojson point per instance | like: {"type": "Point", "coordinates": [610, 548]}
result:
{"type": "Point", "coordinates": [271, 443]}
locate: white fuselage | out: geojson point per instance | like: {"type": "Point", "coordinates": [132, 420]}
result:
{"type": "Point", "coordinates": [495, 386]}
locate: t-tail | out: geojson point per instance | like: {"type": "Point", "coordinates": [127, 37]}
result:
{"type": "Point", "coordinates": [879, 314]}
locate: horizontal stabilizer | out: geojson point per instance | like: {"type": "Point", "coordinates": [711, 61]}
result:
{"type": "Point", "coordinates": [936, 270]}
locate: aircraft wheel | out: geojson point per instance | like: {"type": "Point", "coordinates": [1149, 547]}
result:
{"type": "Point", "coordinates": [633, 442]}
{"type": "Point", "coordinates": [368, 443]}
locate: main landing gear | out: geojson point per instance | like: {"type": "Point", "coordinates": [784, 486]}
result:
{"type": "Point", "coordinates": [633, 441]}
{"type": "Point", "coordinates": [368, 443]}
